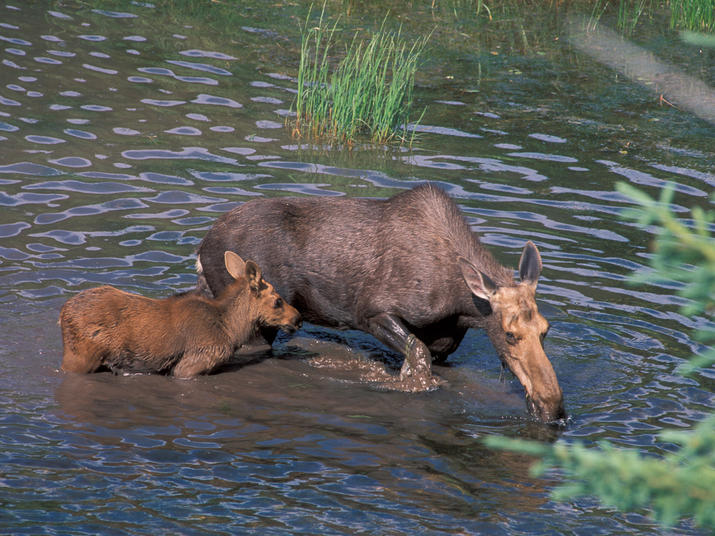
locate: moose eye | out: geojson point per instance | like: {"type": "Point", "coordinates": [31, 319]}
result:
{"type": "Point", "coordinates": [510, 337]}
{"type": "Point", "coordinates": [278, 303]}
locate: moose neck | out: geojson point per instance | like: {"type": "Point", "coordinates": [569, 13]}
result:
{"type": "Point", "coordinates": [479, 311]}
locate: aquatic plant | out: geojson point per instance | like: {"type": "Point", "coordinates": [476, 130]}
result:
{"type": "Point", "coordinates": [629, 11]}
{"type": "Point", "coordinates": [693, 15]}
{"type": "Point", "coordinates": [681, 483]}
{"type": "Point", "coordinates": [628, 14]}
{"type": "Point", "coordinates": [369, 92]}
{"type": "Point", "coordinates": [697, 15]}
{"type": "Point", "coordinates": [597, 11]}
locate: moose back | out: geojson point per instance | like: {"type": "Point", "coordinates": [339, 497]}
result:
{"type": "Point", "coordinates": [407, 270]}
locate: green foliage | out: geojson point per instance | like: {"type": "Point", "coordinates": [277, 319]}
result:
{"type": "Point", "coordinates": [682, 483]}
{"type": "Point", "coordinates": [369, 92]}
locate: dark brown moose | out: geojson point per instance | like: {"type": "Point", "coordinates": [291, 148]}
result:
{"type": "Point", "coordinates": [185, 334]}
{"type": "Point", "coordinates": [407, 270]}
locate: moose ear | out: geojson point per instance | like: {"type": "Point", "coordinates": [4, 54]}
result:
{"type": "Point", "coordinates": [234, 264]}
{"type": "Point", "coordinates": [254, 276]}
{"type": "Point", "coordinates": [480, 284]}
{"type": "Point", "coordinates": [530, 264]}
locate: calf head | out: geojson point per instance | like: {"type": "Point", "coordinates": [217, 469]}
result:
{"type": "Point", "coordinates": [267, 307]}
{"type": "Point", "coordinates": [517, 331]}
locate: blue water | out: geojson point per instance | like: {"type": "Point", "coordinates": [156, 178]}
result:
{"type": "Point", "coordinates": [124, 134]}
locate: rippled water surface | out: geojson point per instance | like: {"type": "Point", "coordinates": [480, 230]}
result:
{"type": "Point", "coordinates": [123, 135]}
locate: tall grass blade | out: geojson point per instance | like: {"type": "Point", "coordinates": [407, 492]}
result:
{"type": "Point", "coordinates": [369, 93]}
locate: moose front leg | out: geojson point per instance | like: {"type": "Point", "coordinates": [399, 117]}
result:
{"type": "Point", "coordinates": [416, 372]}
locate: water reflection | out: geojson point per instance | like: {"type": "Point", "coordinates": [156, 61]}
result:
{"type": "Point", "coordinates": [236, 444]}
{"type": "Point", "coordinates": [121, 142]}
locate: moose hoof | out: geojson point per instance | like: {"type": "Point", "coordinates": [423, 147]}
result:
{"type": "Point", "coordinates": [418, 360]}
{"type": "Point", "coordinates": [416, 374]}
{"type": "Point", "coordinates": [413, 383]}
{"type": "Point", "coordinates": [409, 384]}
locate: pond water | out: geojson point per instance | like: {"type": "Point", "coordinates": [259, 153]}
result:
{"type": "Point", "coordinates": [124, 134]}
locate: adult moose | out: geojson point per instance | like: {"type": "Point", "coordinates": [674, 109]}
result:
{"type": "Point", "coordinates": [407, 270]}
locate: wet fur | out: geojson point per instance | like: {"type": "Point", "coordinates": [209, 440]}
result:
{"type": "Point", "coordinates": [185, 334]}
{"type": "Point", "coordinates": [395, 268]}
{"type": "Point", "coordinates": [340, 277]}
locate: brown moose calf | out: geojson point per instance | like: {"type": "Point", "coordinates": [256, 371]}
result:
{"type": "Point", "coordinates": [184, 335]}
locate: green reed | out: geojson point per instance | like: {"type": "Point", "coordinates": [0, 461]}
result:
{"type": "Point", "coordinates": [629, 11]}
{"type": "Point", "coordinates": [597, 11]}
{"type": "Point", "coordinates": [369, 92]}
{"type": "Point", "coordinates": [695, 15]}
{"type": "Point", "coordinates": [698, 15]}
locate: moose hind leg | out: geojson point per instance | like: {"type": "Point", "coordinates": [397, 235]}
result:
{"type": "Point", "coordinates": [444, 343]}
{"type": "Point", "coordinates": [416, 370]}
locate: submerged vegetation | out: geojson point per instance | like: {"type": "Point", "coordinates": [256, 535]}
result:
{"type": "Point", "coordinates": [369, 91]}
{"type": "Point", "coordinates": [226, 15]}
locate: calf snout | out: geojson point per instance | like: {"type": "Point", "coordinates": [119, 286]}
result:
{"type": "Point", "coordinates": [285, 316]}
{"type": "Point", "coordinates": [294, 323]}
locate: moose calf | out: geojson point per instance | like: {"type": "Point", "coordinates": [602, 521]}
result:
{"type": "Point", "coordinates": [184, 335]}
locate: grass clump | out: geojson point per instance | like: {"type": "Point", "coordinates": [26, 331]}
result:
{"type": "Point", "coordinates": [696, 15]}
{"type": "Point", "coordinates": [687, 15]}
{"type": "Point", "coordinates": [629, 11]}
{"type": "Point", "coordinates": [369, 92]}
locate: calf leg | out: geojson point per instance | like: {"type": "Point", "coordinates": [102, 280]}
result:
{"type": "Point", "coordinates": [81, 356]}
{"type": "Point", "coordinates": [390, 330]}
{"type": "Point", "coordinates": [199, 361]}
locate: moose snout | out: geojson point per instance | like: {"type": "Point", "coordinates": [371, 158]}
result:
{"type": "Point", "coordinates": [544, 398]}
{"type": "Point", "coordinates": [547, 408]}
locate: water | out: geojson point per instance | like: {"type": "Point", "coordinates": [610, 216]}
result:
{"type": "Point", "coordinates": [123, 135]}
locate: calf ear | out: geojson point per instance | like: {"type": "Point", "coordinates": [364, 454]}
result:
{"type": "Point", "coordinates": [480, 284]}
{"type": "Point", "coordinates": [254, 276]}
{"type": "Point", "coordinates": [530, 264]}
{"type": "Point", "coordinates": [234, 264]}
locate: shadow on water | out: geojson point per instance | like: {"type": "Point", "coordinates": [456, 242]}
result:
{"type": "Point", "coordinates": [127, 128]}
